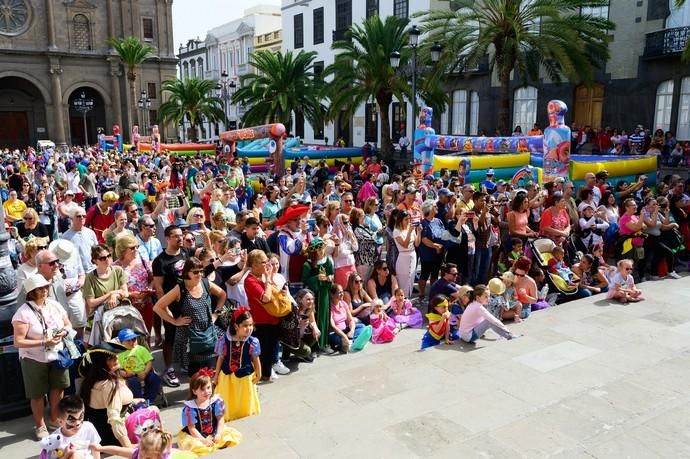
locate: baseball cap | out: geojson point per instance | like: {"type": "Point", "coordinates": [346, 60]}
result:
{"type": "Point", "coordinates": [126, 334]}
{"type": "Point", "coordinates": [501, 183]}
{"type": "Point", "coordinates": [445, 192]}
{"type": "Point", "coordinates": [490, 171]}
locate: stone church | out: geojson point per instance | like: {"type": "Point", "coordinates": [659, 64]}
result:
{"type": "Point", "coordinates": [55, 51]}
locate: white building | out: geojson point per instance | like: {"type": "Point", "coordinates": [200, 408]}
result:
{"type": "Point", "coordinates": [312, 25]}
{"type": "Point", "coordinates": [228, 48]}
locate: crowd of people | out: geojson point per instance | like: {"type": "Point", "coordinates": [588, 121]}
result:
{"type": "Point", "coordinates": [235, 275]}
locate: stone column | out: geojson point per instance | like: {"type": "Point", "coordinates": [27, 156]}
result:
{"type": "Point", "coordinates": [58, 108]}
{"type": "Point", "coordinates": [115, 93]}
{"type": "Point", "coordinates": [51, 25]}
{"type": "Point", "coordinates": [111, 19]}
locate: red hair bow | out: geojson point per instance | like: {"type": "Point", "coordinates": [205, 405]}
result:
{"type": "Point", "coordinates": [206, 371]}
{"type": "Point", "coordinates": [239, 311]}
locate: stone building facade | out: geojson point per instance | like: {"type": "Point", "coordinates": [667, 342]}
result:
{"type": "Point", "coordinates": [53, 50]}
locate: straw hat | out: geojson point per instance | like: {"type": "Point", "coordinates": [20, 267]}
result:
{"type": "Point", "coordinates": [496, 286]}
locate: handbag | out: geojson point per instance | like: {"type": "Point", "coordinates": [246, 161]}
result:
{"type": "Point", "coordinates": [279, 305]}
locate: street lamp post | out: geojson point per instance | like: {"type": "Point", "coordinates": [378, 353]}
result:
{"type": "Point", "coordinates": [144, 104]}
{"type": "Point", "coordinates": [413, 43]}
{"type": "Point", "coordinates": [83, 105]}
{"type": "Point", "coordinates": [223, 89]}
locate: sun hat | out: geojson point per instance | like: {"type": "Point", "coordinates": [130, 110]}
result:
{"type": "Point", "coordinates": [508, 276]}
{"type": "Point", "coordinates": [496, 286]}
{"type": "Point", "coordinates": [464, 290]}
{"type": "Point", "coordinates": [62, 249]}
{"type": "Point", "coordinates": [34, 281]}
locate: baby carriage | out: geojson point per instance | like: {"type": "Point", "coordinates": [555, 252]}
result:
{"type": "Point", "coordinates": [107, 323]}
{"type": "Point", "coordinates": [541, 254]}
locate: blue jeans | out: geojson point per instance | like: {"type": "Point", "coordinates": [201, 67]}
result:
{"type": "Point", "coordinates": [152, 385]}
{"type": "Point", "coordinates": [335, 340]}
{"type": "Point", "coordinates": [482, 263]}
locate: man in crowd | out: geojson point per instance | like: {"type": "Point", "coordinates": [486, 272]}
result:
{"type": "Point", "coordinates": [82, 237]}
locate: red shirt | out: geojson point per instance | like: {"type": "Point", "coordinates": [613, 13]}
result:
{"type": "Point", "coordinates": [255, 288]}
{"type": "Point", "coordinates": [99, 222]}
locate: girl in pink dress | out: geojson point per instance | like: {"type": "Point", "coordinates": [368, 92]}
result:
{"type": "Point", "coordinates": [385, 328]}
{"type": "Point", "coordinates": [402, 311]}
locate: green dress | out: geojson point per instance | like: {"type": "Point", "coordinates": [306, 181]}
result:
{"type": "Point", "coordinates": [322, 292]}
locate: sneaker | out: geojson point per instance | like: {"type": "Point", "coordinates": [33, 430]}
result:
{"type": "Point", "coordinates": [674, 275]}
{"type": "Point", "coordinates": [280, 368]}
{"type": "Point", "coordinates": [170, 378]}
{"type": "Point", "coordinates": [41, 432]}
{"type": "Point", "coordinates": [274, 375]}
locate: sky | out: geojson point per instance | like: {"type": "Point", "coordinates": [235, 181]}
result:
{"type": "Point", "coordinates": [193, 18]}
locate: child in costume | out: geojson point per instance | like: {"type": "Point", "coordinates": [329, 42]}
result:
{"type": "Point", "coordinates": [238, 368]}
{"type": "Point", "coordinates": [385, 327]}
{"type": "Point", "coordinates": [157, 444]}
{"type": "Point", "coordinates": [75, 437]}
{"type": "Point", "coordinates": [439, 324]}
{"type": "Point", "coordinates": [204, 430]}
{"type": "Point", "coordinates": [402, 311]}
{"type": "Point", "coordinates": [317, 274]}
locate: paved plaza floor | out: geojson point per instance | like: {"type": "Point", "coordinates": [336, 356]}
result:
{"type": "Point", "coordinates": [587, 379]}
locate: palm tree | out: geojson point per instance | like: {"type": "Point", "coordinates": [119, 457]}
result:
{"type": "Point", "coordinates": [282, 84]}
{"type": "Point", "coordinates": [192, 98]}
{"type": "Point", "coordinates": [521, 36]}
{"type": "Point", "coordinates": [132, 52]}
{"type": "Point", "coordinates": [362, 70]}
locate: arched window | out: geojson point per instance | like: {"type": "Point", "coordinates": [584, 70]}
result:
{"type": "Point", "coordinates": [200, 68]}
{"type": "Point", "coordinates": [524, 108]}
{"type": "Point", "coordinates": [81, 32]}
{"type": "Point", "coordinates": [683, 127]}
{"type": "Point", "coordinates": [664, 105]}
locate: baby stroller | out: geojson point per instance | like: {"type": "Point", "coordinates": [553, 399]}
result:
{"type": "Point", "coordinates": [541, 254]}
{"type": "Point", "coordinates": [107, 323]}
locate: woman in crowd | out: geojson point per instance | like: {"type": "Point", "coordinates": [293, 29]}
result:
{"type": "Point", "coordinates": [654, 246]}
{"type": "Point", "coordinates": [407, 238]}
{"type": "Point", "coordinates": [592, 280]}
{"type": "Point", "coordinates": [38, 328]}
{"type": "Point", "coordinates": [357, 298]}
{"type": "Point", "coordinates": [107, 284]}
{"type": "Point", "coordinates": [518, 218]}
{"type": "Point", "coordinates": [260, 290]}
{"type": "Point", "coordinates": [272, 206]}
{"type": "Point", "coordinates": [139, 276]}
{"type": "Point", "coordinates": [524, 285]}
{"type": "Point", "coordinates": [373, 222]}
{"type": "Point", "coordinates": [30, 227]}
{"type": "Point", "coordinates": [65, 209]}
{"type": "Point", "coordinates": [382, 282]}
{"type": "Point", "coordinates": [46, 212]}
{"type": "Point", "coordinates": [555, 222]}
{"type": "Point", "coordinates": [632, 227]}
{"type": "Point", "coordinates": [391, 247]}
{"type": "Point", "coordinates": [344, 261]}
{"type": "Point", "coordinates": [106, 394]}
{"type": "Point", "coordinates": [198, 301]}
{"type": "Point", "coordinates": [367, 252]}
{"type": "Point", "coordinates": [118, 229]}
{"type": "Point", "coordinates": [196, 219]}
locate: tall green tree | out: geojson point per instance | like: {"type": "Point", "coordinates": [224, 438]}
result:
{"type": "Point", "coordinates": [192, 98]}
{"type": "Point", "coordinates": [521, 36]}
{"type": "Point", "coordinates": [132, 53]}
{"type": "Point", "coordinates": [362, 70]}
{"type": "Point", "coordinates": [282, 85]}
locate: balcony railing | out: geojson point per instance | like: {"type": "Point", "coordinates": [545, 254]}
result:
{"type": "Point", "coordinates": [667, 42]}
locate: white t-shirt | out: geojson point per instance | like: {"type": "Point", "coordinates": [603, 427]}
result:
{"type": "Point", "coordinates": [87, 436]}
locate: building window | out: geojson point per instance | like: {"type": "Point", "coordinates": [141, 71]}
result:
{"type": "Point", "coordinates": [318, 69]}
{"type": "Point", "coordinates": [524, 107]}
{"type": "Point", "coordinates": [318, 131]}
{"type": "Point", "coordinates": [459, 113]}
{"type": "Point", "coordinates": [474, 113]}
{"type": "Point", "coordinates": [664, 105]}
{"type": "Point", "coordinates": [443, 127]}
{"type": "Point", "coordinates": [299, 125]}
{"type": "Point", "coordinates": [318, 25]}
{"type": "Point", "coordinates": [153, 117]}
{"type": "Point", "coordinates": [151, 90]}
{"type": "Point", "coordinates": [186, 70]}
{"type": "Point", "coordinates": [401, 8]}
{"type": "Point", "coordinates": [260, 39]}
{"type": "Point", "coordinates": [147, 28]}
{"type": "Point", "coordinates": [372, 8]}
{"type": "Point", "coordinates": [398, 120]}
{"type": "Point", "coordinates": [595, 11]}
{"type": "Point", "coordinates": [192, 65]}
{"type": "Point", "coordinates": [81, 32]}
{"type": "Point", "coordinates": [276, 35]}
{"type": "Point", "coordinates": [371, 124]}
{"type": "Point", "coordinates": [343, 15]}
{"type": "Point", "coordinates": [298, 28]}
{"type": "Point", "coordinates": [683, 127]}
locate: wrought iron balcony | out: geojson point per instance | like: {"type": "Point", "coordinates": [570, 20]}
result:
{"type": "Point", "coordinates": [667, 42]}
